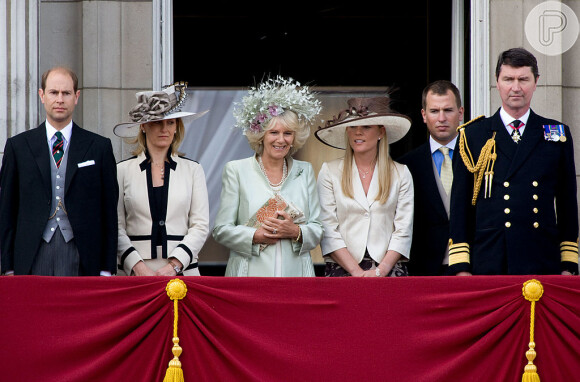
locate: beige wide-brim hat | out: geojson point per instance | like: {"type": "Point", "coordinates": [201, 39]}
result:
{"type": "Point", "coordinates": [364, 112]}
{"type": "Point", "coordinates": [131, 129]}
{"type": "Point", "coordinates": [157, 106]}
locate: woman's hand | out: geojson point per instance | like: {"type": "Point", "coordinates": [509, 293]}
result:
{"type": "Point", "coordinates": [281, 228]}
{"type": "Point", "coordinates": [261, 238]}
{"type": "Point", "coordinates": [166, 270]}
{"type": "Point", "coordinates": [141, 269]}
{"type": "Point", "coordinates": [370, 273]}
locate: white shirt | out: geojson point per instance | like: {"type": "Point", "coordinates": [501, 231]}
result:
{"type": "Point", "coordinates": [51, 137]}
{"type": "Point", "coordinates": [507, 119]}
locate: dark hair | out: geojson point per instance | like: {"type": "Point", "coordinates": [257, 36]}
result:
{"type": "Point", "coordinates": [72, 75]}
{"type": "Point", "coordinates": [517, 57]}
{"type": "Point", "coordinates": [441, 87]}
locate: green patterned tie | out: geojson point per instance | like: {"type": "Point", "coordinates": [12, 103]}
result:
{"type": "Point", "coordinates": [57, 148]}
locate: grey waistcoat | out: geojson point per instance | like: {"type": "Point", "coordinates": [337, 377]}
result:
{"type": "Point", "coordinates": [58, 215]}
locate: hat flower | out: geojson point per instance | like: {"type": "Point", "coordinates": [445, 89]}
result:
{"type": "Point", "coordinates": [272, 98]}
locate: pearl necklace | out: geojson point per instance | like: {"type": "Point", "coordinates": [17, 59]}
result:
{"type": "Point", "coordinates": [284, 173]}
{"type": "Point", "coordinates": [161, 167]}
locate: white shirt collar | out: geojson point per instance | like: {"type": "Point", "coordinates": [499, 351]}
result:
{"type": "Point", "coordinates": [435, 145]}
{"type": "Point", "coordinates": [507, 119]}
{"type": "Point", "coordinates": [66, 133]}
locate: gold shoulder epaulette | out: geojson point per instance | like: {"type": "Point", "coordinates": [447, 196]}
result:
{"type": "Point", "coordinates": [470, 122]}
{"type": "Point", "coordinates": [485, 162]}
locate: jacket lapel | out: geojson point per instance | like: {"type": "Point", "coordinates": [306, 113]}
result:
{"type": "Point", "coordinates": [359, 193]}
{"type": "Point", "coordinates": [39, 147]}
{"type": "Point", "coordinates": [504, 143]}
{"type": "Point", "coordinates": [77, 148]}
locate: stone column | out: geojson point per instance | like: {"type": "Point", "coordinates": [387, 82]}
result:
{"type": "Point", "coordinates": [18, 67]}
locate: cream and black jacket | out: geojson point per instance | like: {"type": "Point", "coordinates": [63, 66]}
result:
{"type": "Point", "coordinates": [182, 222]}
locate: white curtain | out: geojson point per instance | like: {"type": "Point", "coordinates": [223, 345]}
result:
{"type": "Point", "coordinates": [212, 139]}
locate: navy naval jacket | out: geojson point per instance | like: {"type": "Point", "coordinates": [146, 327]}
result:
{"type": "Point", "coordinates": [529, 223]}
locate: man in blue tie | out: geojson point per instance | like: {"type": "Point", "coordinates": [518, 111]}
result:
{"type": "Point", "coordinates": [58, 192]}
{"type": "Point", "coordinates": [513, 205]}
{"type": "Point", "coordinates": [430, 165]}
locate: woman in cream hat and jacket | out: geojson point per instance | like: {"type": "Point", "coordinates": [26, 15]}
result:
{"type": "Point", "coordinates": [366, 198]}
{"type": "Point", "coordinates": [163, 204]}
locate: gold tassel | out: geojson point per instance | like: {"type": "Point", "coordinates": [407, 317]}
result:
{"type": "Point", "coordinates": [532, 292]}
{"type": "Point", "coordinates": [176, 290]}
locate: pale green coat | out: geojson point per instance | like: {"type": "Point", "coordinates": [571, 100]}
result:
{"type": "Point", "coordinates": [244, 190]}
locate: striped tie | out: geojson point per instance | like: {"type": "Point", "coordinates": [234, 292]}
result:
{"type": "Point", "coordinates": [57, 148]}
{"type": "Point", "coordinates": [446, 171]}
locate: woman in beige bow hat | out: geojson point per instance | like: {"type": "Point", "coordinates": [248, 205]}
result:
{"type": "Point", "coordinates": [366, 198]}
{"type": "Point", "coordinates": [163, 205]}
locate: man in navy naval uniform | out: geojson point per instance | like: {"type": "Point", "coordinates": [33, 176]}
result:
{"type": "Point", "coordinates": [513, 202]}
{"type": "Point", "coordinates": [58, 192]}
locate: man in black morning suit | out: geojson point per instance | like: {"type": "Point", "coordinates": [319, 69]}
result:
{"type": "Point", "coordinates": [58, 213]}
{"type": "Point", "coordinates": [442, 113]}
{"type": "Point", "coordinates": [525, 217]}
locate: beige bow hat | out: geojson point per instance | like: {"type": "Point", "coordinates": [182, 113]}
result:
{"type": "Point", "coordinates": [156, 106]}
{"type": "Point", "coordinates": [364, 112]}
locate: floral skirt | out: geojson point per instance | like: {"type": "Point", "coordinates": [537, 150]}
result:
{"type": "Point", "coordinates": [335, 270]}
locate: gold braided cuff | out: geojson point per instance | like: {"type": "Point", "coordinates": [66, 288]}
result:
{"type": "Point", "coordinates": [569, 251]}
{"type": "Point", "coordinates": [458, 253]}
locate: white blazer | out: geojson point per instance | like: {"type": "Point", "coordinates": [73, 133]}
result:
{"type": "Point", "coordinates": [186, 221]}
{"type": "Point", "coordinates": [363, 222]}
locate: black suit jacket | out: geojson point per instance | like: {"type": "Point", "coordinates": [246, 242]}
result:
{"type": "Point", "coordinates": [532, 208]}
{"type": "Point", "coordinates": [91, 194]}
{"type": "Point", "coordinates": [431, 223]}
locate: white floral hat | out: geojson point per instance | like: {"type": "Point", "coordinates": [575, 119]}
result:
{"type": "Point", "coordinates": [272, 98]}
{"type": "Point", "coordinates": [156, 106]}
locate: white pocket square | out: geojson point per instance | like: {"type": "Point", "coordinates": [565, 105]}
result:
{"type": "Point", "coordinates": [87, 163]}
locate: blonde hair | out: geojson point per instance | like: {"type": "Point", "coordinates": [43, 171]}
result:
{"type": "Point", "coordinates": [141, 140]}
{"type": "Point", "coordinates": [384, 169]}
{"type": "Point", "coordinates": [290, 120]}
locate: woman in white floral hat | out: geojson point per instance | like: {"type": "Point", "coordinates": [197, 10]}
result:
{"type": "Point", "coordinates": [268, 215]}
{"type": "Point", "coordinates": [366, 197]}
{"type": "Point", "coordinates": [163, 206]}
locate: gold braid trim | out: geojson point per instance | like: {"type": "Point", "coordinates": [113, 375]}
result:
{"type": "Point", "coordinates": [458, 253]}
{"type": "Point", "coordinates": [485, 162]}
{"type": "Point", "coordinates": [569, 251]}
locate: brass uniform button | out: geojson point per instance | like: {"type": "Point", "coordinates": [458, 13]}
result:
{"type": "Point", "coordinates": [535, 210]}
{"type": "Point", "coordinates": [535, 197]}
{"type": "Point", "coordinates": [535, 184]}
{"type": "Point", "coordinates": [507, 211]}
{"type": "Point", "coordinates": [506, 184]}
{"type": "Point", "coordinates": [506, 197]}
{"type": "Point", "coordinates": [508, 224]}
{"type": "Point", "coordinates": [536, 224]}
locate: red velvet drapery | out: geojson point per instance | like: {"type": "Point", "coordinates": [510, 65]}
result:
{"type": "Point", "coordinates": [287, 329]}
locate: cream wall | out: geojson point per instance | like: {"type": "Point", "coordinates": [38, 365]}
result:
{"type": "Point", "coordinates": [109, 45]}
